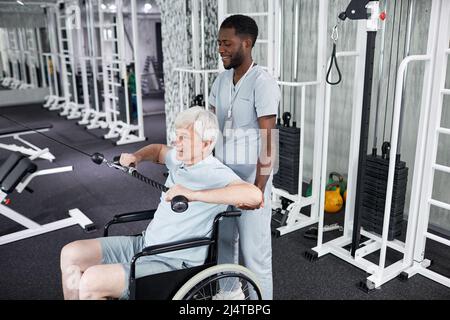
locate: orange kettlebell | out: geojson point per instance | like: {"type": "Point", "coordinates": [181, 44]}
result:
{"type": "Point", "coordinates": [333, 198]}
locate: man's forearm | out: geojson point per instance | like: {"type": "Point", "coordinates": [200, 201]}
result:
{"type": "Point", "coordinates": [236, 195]}
{"type": "Point", "coordinates": [149, 153]}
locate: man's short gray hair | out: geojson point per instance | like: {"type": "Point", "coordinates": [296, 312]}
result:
{"type": "Point", "coordinates": [204, 122]}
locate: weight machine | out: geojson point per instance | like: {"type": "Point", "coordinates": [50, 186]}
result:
{"type": "Point", "coordinates": [288, 184]}
{"type": "Point", "coordinates": [367, 14]}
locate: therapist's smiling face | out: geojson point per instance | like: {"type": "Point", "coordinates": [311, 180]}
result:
{"type": "Point", "coordinates": [231, 48]}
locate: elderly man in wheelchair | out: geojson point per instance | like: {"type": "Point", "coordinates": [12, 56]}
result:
{"type": "Point", "coordinates": [176, 256]}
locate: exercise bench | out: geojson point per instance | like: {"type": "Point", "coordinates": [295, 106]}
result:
{"type": "Point", "coordinates": [16, 173]}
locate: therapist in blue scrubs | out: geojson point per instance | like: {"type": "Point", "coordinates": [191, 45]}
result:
{"type": "Point", "coordinates": [245, 98]}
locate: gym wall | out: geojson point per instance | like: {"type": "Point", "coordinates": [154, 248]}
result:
{"type": "Point", "coordinates": [177, 49]}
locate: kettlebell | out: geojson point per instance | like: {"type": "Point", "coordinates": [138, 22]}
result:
{"type": "Point", "coordinates": [333, 198]}
{"type": "Point", "coordinates": [337, 177]}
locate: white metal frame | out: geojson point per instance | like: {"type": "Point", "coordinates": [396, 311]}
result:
{"type": "Point", "coordinates": [31, 54]}
{"type": "Point", "coordinates": [32, 150]}
{"type": "Point", "coordinates": [32, 227]}
{"type": "Point", "coordinates": [65, 59]}
{"type": "Point", "coordinates": [183, 74]}
{"type": "Point", "coordinates": [80, 60]}
{"type": "Point", "coordinates": [4, 48]}
{"type": "Point", "coordinates": [69, 21]}
{"type": "Point", "coordinates": [14, 57]}
{"type": "Point", "coordinates": [295, 219]}
{"type": "Point", "coordinates": [55, 97]}
{"type": "Point", "coordinates": [116, 65]}
{"type": "Point", "coordinates": [427, 154]}
{"type": "Point", "coordinates": [92, 114]}
{"type": "Point", "coordinates": [380, 273]}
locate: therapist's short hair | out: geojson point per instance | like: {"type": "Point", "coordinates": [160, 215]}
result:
{"type": "Point", "coordinates": [204, 122]}
{"type": "Point", "coordinates": [243, 25]}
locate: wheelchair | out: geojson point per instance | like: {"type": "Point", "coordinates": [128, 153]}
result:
{"type": "Point", "coordinates": [201, 282]}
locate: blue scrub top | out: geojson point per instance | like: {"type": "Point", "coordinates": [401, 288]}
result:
{"type": "Point", "coordinates": [258, 95]}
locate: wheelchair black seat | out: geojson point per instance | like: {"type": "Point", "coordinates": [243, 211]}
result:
{"type": "Point", "coordinates": [198, 282]}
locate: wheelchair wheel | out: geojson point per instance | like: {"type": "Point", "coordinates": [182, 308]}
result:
{"type": "Point", "coordinates": [206, 284]}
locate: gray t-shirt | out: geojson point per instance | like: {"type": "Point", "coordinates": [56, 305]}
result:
{"type": "Point", "coordinates": [197, 220]}
{"type": "Point", "coordinates": [256, 96]}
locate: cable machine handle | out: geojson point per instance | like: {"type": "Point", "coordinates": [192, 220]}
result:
{"type": "Point", "coordinates": [178, 203]}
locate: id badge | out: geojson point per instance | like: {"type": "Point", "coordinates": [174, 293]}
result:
{"type": "Point", "coordinates": [227, 127]}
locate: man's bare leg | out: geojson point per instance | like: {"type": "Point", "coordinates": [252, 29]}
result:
{"type": "Point", "coordinates": [76, 258]}
{"type": "Point", "coordinates": [102, 281]}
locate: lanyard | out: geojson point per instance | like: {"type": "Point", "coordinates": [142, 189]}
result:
{"type": "Point", "coordinates": [232, 98]}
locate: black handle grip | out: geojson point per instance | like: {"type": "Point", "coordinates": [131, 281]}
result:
{"type": "Point", "coordinates": [179, 204]}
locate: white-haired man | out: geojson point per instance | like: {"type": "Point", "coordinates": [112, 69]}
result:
{"type": "Point", "coordinates": [99, 268]}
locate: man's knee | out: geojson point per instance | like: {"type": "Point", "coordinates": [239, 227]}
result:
{"type": "Point", "coordinates": [81, 253]}
{"type": "Point", "coordinates": [90, 288]}
{"type": "Point", "coordinates": [71, 254]}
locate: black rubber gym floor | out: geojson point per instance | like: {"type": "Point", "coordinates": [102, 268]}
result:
{"type": "Point", "coordinates": [29, 269]}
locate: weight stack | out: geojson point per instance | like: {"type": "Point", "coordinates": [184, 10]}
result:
{"type": "Point", "coordinates": [288, 154]}
{"type": "Point", "coordinates": [374, 196]}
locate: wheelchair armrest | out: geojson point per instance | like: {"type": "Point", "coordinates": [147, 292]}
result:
{"type": "Point", "coordinates": [168, 247]}
{"type": "Point", "coordinates": [176, 245]}
{"type": "Point", "coordinates": [129, 217]}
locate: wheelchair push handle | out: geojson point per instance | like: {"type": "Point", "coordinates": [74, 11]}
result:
{"type": "Point", "coordinates": [178, 203]}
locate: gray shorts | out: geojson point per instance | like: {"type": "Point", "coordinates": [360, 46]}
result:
{"type": "Point", "coordinates": [121, 249]}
